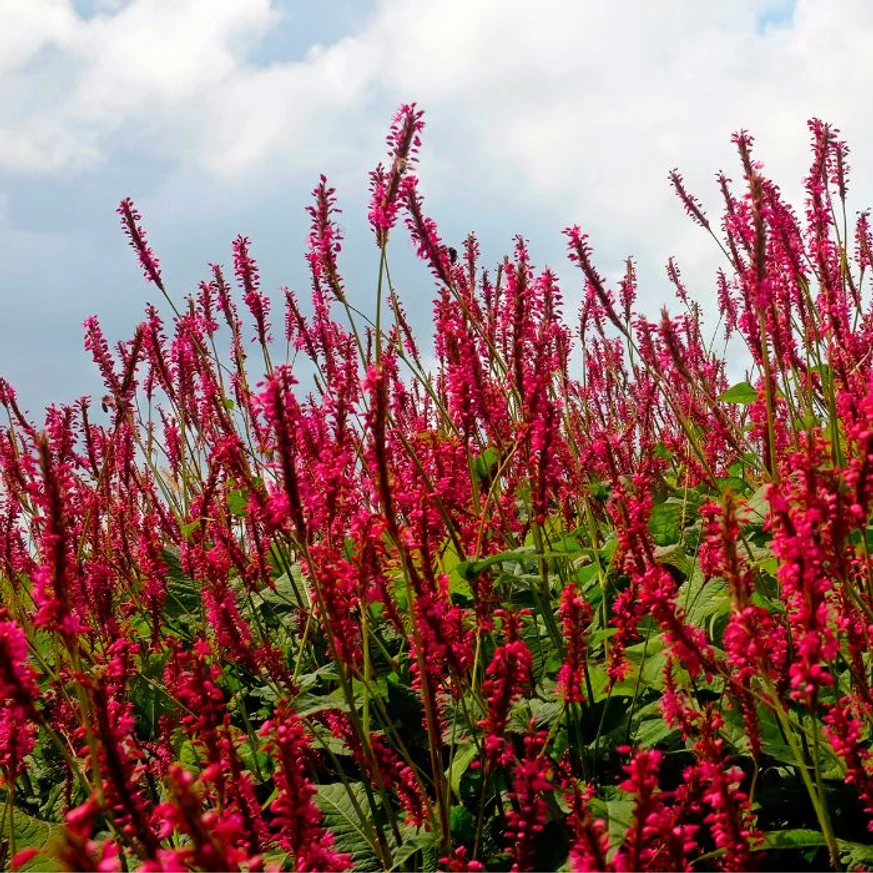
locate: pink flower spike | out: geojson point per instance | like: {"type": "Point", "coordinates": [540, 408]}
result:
{"type": "Point", "coordinates": [130, 219]}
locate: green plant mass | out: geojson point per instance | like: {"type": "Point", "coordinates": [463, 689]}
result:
{"type": "Point", "coordinates": [549, 598]}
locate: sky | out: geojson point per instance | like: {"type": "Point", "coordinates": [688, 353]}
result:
{"type": "Point", "coordinates": [217, 117]}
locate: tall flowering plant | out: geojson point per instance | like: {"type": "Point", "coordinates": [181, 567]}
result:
{"type": "Point", "coordinates": [564, 598]}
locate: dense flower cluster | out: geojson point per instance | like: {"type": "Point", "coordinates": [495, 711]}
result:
{"type": "Point", "coordinates": [530, 598]}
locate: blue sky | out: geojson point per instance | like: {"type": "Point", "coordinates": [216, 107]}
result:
{"type": "Point", "coordinates": [218, 115]}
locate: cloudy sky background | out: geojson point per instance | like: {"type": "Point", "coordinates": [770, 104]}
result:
{"type": "Point", "coordinates": [217, 116]}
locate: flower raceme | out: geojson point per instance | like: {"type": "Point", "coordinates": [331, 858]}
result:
{"type": "Point", "coordinates": [538, 595]}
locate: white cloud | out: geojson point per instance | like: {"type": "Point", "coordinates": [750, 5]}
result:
{"type": "Point", "coordinates": [30, 26]}
{"type": "Point", "coordinates": [582, 105]}
{"type": "Point", "coordinates": [74, 87]}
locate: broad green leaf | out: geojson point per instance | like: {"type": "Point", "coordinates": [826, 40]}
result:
{"type": "Point", "coordinates": [647, 662]}
{"type": "Point", "coordinates": [665, 522]}
{"type": "Point", "coordinates": [609, 548]}
{"type": "Point", "coordinates": [546, 712]}
{"type": "Point", "coordinates": [374, 689]}
{"type": "Point", "coordinates": [599, 635]}
{"type": "Point", "coordinates": [189, 528]}
{"type": "Point", "coordinates": [703, 599]}
{"type": "Point", "coordinates": [188, 755]}
{"type": "Point", "coordinates": [772, 742]}
{"type": "Point", "coordinates": [756, 509]}
{"type": "Point", "coordinates": [464, 756]}
{"type": "Point", "coordinates": [566, 544]}
{"type": "Point", "coordinates": [653, 731]}
{"type": "Point", "coordinates": [253, 758]}
{"type": "Point", "coordinates": [33, 833]}
{"type": "Point", "coordinates": [619, 816]}
{"type": "Point", "coordinates": [586, 574]}
{"type": "Point", "coordinates": [521, 554]}
{"type": "Point", "coordinates": [486, 464]}
{"type": "Point", "coordinates": [342, 820]}
{"type": "Point", "coordinates": [183, 593]}
{"type": "Point", "coordinates": [855, 856]}
{"type": "Point", "coordinates": [742, 393]}
{"type": "Point", "coordinates": [676, 556]}
{"type": "Point", "coordinates": [797, 839]}
{"type": "Point", "coordinates": [462, 824]}
{"type": "Point", "coordinates": [650, 728]}
{"type": "Point", "coordinates": [307, 705]}
{"type": "Point", "coordinates": [792, 838]}
{"type": "Point", "coordinates": [600, 490]}
{"type": "Point", "coordinates": [150, 698]}
{"type": "Point", "coordinates": [413, 840]}
{"type": "Point", "coordinates": [661, 451]}
{"type": "Point", "coordinates": [735, 483]}
{"type": "Point", "coordinates": [289, 591]}
{"type": "Point", "coordinates": [238, 502]}
{"type": "Point", "coordinates": [458, 581]}
{"type": "Point", "coordinates": [324, 739]}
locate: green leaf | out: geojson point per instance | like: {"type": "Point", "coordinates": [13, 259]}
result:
{"type": "Point", "coordinates": [414, 840]}
{"type": "Point", "coordinates": [772, 741]}
{"type": "Point", "coordinates": [567, 544]}
{"type": "Point", "coordinates": [546, 712]}
{"type": "Point", "coordinates": [324, 739]}
{"type": "Point", "coordinates": [735, 483]}
{"type": "Point", "coordinates": [183, 593]}
{"type": "Point", "coordinates": [648, 660]}
{"type": "Point", "coordinates": [793, 838]}
{"type": "Point", "coordinates": [350, 834]}
{"type": "Point", "coordinates": [609, 549]}
{"type": "Point", "coordinates": [288, 591]}
{"type": "Point", "coordinates": [586, 574]}
{"type": "Point", "coordinates": [666, 520]}
{"type": "Point", "coordinates": [148, 695]}
{"type": "Point", "coordinates": [676, 556]}
{"type": "Point", "coordinates": [600, 682]}
{"type": "Point", "coordinates": [599, 490]}
{"type": "Point", "coordinates": [742, 393]}
{"type": "Point", "coordinates": [375, 689]}
{"type": "Point", "coordinates": [855, 856]}
{"type": "Point", "coordinates": [238, 502]}
{"type": "Point", "coordinates": [653, 731]}
{"type": "Point", "coordinates": [188, 756]}
{"type": "Point", "coordinates": [464, 756]}
{"type": "Point", "coordinates": [452, 567]}
{"type": "Point", "coordinates": [661, 451]}
{"type": "Point", "coordinates": [486, 464]}
{"type": "Point", "coordinates": [757, 507]}
{"type": "Point", "coordinates": [703, 599]}
{"type": "Point", "coordinates": [462, 824]}
{"type": "Point", "coordinates": [33, 833]}
{"type": "Point", "coordinates": [189, 528]}
{"type": "Point", "coordinates": [600, 635]}
{"type": "Point", "coordinates": [619, 816]}
{"type": "Point", "coordinates": [524, 553]}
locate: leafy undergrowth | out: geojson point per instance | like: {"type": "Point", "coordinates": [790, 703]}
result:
{"type": "Point", "coordinates": [498, 612]}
